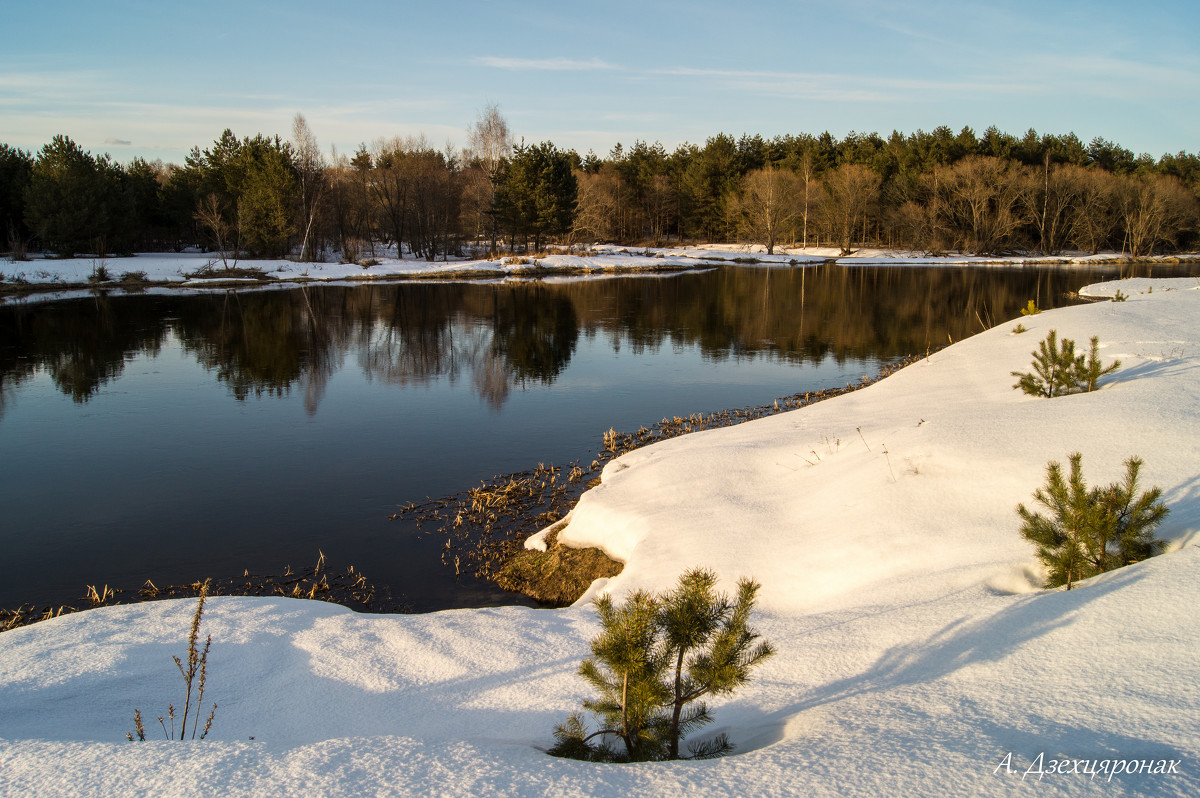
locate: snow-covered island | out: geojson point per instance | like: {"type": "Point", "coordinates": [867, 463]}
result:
{"type": "Point", "coordinates": [917, 654]}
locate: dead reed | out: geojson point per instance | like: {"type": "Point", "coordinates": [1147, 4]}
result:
{"type": "Point", "coordinates": [349, 588]}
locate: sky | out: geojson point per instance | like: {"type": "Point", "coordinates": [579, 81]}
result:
{"type": "Point", "coordinates": [154, 78]}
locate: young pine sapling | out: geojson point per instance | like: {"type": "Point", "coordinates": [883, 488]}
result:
{"type": "Point", "coordinates": [1057, 370]}
{"type": "Point", "coordinates": [1088, 532]}
{"type": "Point", "coordinates": [655, 658]}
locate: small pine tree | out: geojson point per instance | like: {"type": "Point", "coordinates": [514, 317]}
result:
{"type": "Point", "coordinates": [1089, 372]}
{"type": "Point", "coordinates": [655, 657]}
{"type": "Point", "coordinates": [1053, 367]}
{"type": "Point", "coordinates": [1089, 532]}
{"type": "Point", "coordinates": [1057, 370]}
{"type": "Point", "coordinates": [711, 636]}
{"type": "Point", "coordinates": [626, 669]}
{"type": "Point", "coordinates": [1131, 521]}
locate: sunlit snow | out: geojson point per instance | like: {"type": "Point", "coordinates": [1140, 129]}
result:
{"type": "Point", "coordinates": [917, 654]}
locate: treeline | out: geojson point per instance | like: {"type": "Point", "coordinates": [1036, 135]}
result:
{"type": "Point", "coordinates": [934, 192]}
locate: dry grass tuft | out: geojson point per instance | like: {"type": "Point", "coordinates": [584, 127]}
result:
{"type": "Point", "coordinates": [557, 576]}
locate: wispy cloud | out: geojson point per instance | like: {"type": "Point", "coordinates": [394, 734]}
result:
{"type": "Point", "coordinates": [117, 142]}
{"type": "Point", "coordinates": [839, 87]}
{"type": "Point", "coordinates": [546, 64]}
{"type": "Point", "coordinates": [1118, 78]}
{"type": "Point", "coordinates": [31, 83]}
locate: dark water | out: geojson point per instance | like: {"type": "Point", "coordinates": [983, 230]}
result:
{"type": "Point", "coordinates": [174, 437]}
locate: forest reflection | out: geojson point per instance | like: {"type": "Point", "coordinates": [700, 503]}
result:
{"type": "Point", "coordinates": [504, 336]}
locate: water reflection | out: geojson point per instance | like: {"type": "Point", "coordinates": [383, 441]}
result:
{"type": "Point", "coordinates": [165, 464]}
{"type": "Point", "coordinates": [502, 336]}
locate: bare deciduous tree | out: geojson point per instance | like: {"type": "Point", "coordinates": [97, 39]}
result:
{"type": "Point", "coordinates": [768, 204]}
{"type": "Point", "coordinates": [310, 167]}
{"type": "Point", "coordinates": [491, 145]}
{"type": "Point", "coordinates": [1153, 209]}
{"type": "Point", "coordinates": [210, 214]}
{"type": "Point", "coordinates": [1050, 197]}
{"type": "Point", "coordinates": [851, 194]}
{"type": "Point", "coordinates": [1093, 219]}
{"type": "Point", "coordinates": [808, 176]}
{"type": "Point", "coordinates": [595, 208]}
{"type": "Point", "coordinates": [977, 203]}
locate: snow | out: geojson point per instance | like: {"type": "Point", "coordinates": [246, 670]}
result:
{"type": "Point", "coordinates": [916, 652]}
{"type": "Point", "coordinates": [178, 269]}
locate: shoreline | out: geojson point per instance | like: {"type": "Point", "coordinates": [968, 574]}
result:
{"type": "Point", "coordinates": [197, 271]}
{"type": "Point", "coordinates": [480, 541]}
{"type": "Point", "coordinates": [486, 528]}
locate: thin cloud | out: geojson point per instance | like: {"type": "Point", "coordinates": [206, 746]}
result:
{"type": "Point", "coordinates": [37, 84]}
{"type": "Point", "coordinates": [546, 64]}
{"type": "Point", "coordinates": [118, 142]}
{"type": "Point", "coordinates": [839, 87]}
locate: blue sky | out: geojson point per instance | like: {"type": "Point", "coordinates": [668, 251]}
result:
{"type": "Point", "coordinates": [152, 79]}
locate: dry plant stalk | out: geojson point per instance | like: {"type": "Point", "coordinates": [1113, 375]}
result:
{"type": "Point", "coordinates": [197, 666]}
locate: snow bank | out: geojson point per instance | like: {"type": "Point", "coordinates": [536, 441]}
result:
{"type": "Point", "coordinates": [180, 269]}
{"type": "Point", "coordinates": [916, 655]}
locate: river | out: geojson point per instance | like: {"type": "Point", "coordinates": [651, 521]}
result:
{"type": "Point", "coordinates": [172, 436]}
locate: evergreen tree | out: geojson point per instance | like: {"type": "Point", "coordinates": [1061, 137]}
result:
{"type": "Point", "coordinates": [269, 195]}
{"type": "Point", "coordinates": [653, 661]}
{"type": "Point", "coordinates": [1057, 370]}
{"type": "Point", "coordinates": [67, 200]}
{"type": "Point", "coordinates": [1088, 372]}
{"type": "Point", "coordinates": [1088, 532]}
{"type": "Point", "coordinates": [713, 649]}
{"type": "Point", "coordinates": [1053, 368]}
{"type": "Point", "coordinates": [251, 183]}
{"type": "Point", "coordinates": [537, 193]}
{"type": "Point", "coordinates": [16, 171]}
{"type": "Point", "coordinates": [626, 668]}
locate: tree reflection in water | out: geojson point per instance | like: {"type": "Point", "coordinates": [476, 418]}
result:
{"type": "Point", "coordinates": [511, 334]}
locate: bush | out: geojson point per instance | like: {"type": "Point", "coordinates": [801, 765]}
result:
{"type": "Point", "coordinates": [655, 658]}
{"type": "Point", "coordinates": [1057, 370]}
{"type": "Point", "coordinates": [1089, 532]}
{"type": "Point", "coordinates": [100, 273]}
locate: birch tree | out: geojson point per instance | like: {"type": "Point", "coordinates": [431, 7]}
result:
{"type": "Point", "coordinates": [310, 169]}
{"type": "Point", "coordinates": [491, 145]}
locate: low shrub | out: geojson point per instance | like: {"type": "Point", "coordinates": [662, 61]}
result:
{"type": "Point", "coordinates": [1087, 532]}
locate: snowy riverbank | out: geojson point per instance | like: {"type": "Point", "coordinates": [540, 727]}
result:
{"type": "Point", "coordinates": [916, 653]}
{"type": "Point", "coordinates": [44, 279]}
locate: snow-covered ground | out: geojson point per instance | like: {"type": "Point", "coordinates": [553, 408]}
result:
{"type": "Point", "coordinates": [917, 655]}
{"type": "Point", "coordinates": [197, 270]}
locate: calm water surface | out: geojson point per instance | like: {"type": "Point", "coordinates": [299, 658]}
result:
{"type": "Point", "coordinates": [174, 437]}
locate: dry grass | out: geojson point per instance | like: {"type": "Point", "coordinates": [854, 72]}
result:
{"type": "Point", "coordinates": [197, 666]}
{"type": "Point", "coordinates": [558, 576]}
{"type": "Point", "coordinates": [349, 588]}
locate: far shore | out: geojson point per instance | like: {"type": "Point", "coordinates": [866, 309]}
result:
{"type": "Point", "coordinates": [55, 278]}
